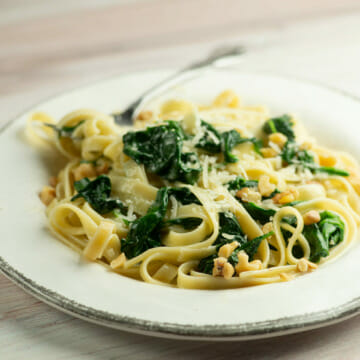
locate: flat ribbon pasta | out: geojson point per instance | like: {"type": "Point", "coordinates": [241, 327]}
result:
{"type": "Point", "coordinates": [97, 200]}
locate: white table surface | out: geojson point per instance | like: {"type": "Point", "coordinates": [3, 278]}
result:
{"type": "Point", "coordinates": [47, 47]}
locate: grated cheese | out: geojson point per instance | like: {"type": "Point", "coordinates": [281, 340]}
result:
{"type": "Point", "coordinates": [205, 172]}
{"type": "Point", "coordinates": [274, 146]}
{"type": "Point", "coordinates": [228, 236]}
{"type": "Point", "coordinates": [174, 207]}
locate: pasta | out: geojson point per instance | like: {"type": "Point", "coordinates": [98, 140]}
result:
{"type": "Point", "coordinates": [199, 196]}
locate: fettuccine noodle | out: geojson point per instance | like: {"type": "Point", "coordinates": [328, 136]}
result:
{"type": "Point", "coordinates": [308, 213]}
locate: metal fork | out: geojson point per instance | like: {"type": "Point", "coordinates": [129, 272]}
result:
{"type": "Point", "coordinates": [223, 56]}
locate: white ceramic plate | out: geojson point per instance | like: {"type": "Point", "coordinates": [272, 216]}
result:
{"type": "Point", "coordinates": [47, 269]}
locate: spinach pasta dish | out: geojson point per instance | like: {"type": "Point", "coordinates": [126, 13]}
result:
{"type": "Point", "coordinates": [193, 196]}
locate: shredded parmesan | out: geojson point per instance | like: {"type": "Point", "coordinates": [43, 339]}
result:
{"type": "Point", "coordinates": [205, 172]}
{"type": "Point", "coordinates": [274, 146]}
{"type": "Point", "coordinates": [228, 236]}
{"type": "Point", "coordinates": [213, 137]}
{"type": "Point", "coordinates": [174, 207]}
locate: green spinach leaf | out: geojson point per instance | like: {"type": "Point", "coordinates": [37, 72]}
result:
{"type": "Point", "coordinates": [206, 264]}
{"type": "Point", "coordinates": [293, 203]}
{"type": "Point", "coordinates": [229, 225]}
{"type": "Point", "coordinates": [97, 194]}
{"type": "Point", "coordinates": [324, 235]}
{"type": "Point", "coordinates": [230, 139]}
{"type": "Point", "coordinates": [215, 142]}
{"type": "Point", "coordinates": [240, 183]}
{"type": "Point", "coordinates": [297, 250]}
{"type": "Point", "coordinates": [159, 148]}
{"type": "Point", "coordinates": [258, 144]}
{"type": "Point", "coordinates": [292, 154]}
{"type": "Point", "coordinates": [290, 220]}
{"type": "Point", "coordinates": [189, 223]}
{"type": "Point", "coordinates": [184, 195]}
{"type": "Point", "coordinates": [318, 244]}
{"type": "Point", "coordinates": [211, 140]}
{"type": "Point", "coordinates": [331, 171]}
{"type": "Point", "coordinates": [251, 247]}
{"type": "Point", "coordinates": [332, 227]}
{"type": "Point", "coordinates": [145, 232]}
{"type": "Point", "coordinates": [258, 213]}
{"type": "Point", "coordinates": [65, 131]}
{"type": "Point", "coordinates": [276, 191]}
{"type": "Point", "coordinates": [282, 124]}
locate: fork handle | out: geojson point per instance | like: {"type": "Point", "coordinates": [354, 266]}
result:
{"type": "Point", "coordinates": [186, 73]}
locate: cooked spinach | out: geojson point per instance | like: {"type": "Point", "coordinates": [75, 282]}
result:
{"type": "Point", "coordinates": [159, 148]}
{"type": "Point", "coordinates": [206, 264]}
{"type": "Point", "coordinates": [126, 222]}
{"type": "Point", "coordinates": [215, 142]}
{"type": "Point", "coordinates": [332, 227]}
{"type": "Point", "coordinates": [282, 124]}
{"type": "Point", "coordinates": [331, 171]}
{"type": "Point", "coordinates": [185, 168]}
{"type": "Point", "coordinates": [240, 183]}
{"type": "Point", "coordinates": [229, 225]}
{"type": "Point", "coordinates": [92, 162]}
{"type": "Point", "coordinates": [65, 131]}
{"type": "Point", "coordinates": [189, 223]}
{"type": "Point", "coordinates": [251, 247]}
{"type": "Point", "coordinates": [211, 140]}
{"type": "Point", "coordinates": [230, 139]}
{"type": "Point", "coordinates": [292, 154]}
{"type": "Point", "coordinates": [258, 144]}
{"type": "Point", "coordinates": [184, 195]}
{"type": "Point", "coordinates": [118, 214]}
{"type": "Point", "coordinates": [297, 250]}
{"type": "Point", "coordinates": [324, 235]}
{"type": "Point", "coordinates": [276, 191]}
{"type": "Point", "coordinates": [318, 244]}
{"type": "Point", "coordinates": [97, 194]}
{"type": "Point", "coordinates": [258, 213]}
{"type": "Point", "coordinates": [293, 203]}
{"type": "Point", "coordinates": [291, 220]}
{"type": "Point", "coordinates": [145, 232]}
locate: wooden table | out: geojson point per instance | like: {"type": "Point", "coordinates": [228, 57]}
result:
{"type": "Point", "coordinates": [50, 47]}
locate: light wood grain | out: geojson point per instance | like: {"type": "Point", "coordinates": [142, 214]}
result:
{"type": "Point", "coordinates": [64, 45]}
{"type": "Point", "coordinates": [42, 330]}
{"type": "Point", "coordinates": [130, 27]}
{"type": "Point", "coordinates": [29, 327]}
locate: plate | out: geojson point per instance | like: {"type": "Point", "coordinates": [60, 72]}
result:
{"type": "Point", "coordinates": [47, 269]}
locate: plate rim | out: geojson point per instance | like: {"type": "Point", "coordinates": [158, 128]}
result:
{"type": "Point", "coordinates": [244, 331]}
{"type": "Point", "coordinates": [241, 331]}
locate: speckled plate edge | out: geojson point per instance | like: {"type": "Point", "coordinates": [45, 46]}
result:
{"type": "Point", "coordinates": [242, 331]}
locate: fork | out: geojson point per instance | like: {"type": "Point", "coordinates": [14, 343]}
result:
{"type": "Point", "coordinates": [223, 56]}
